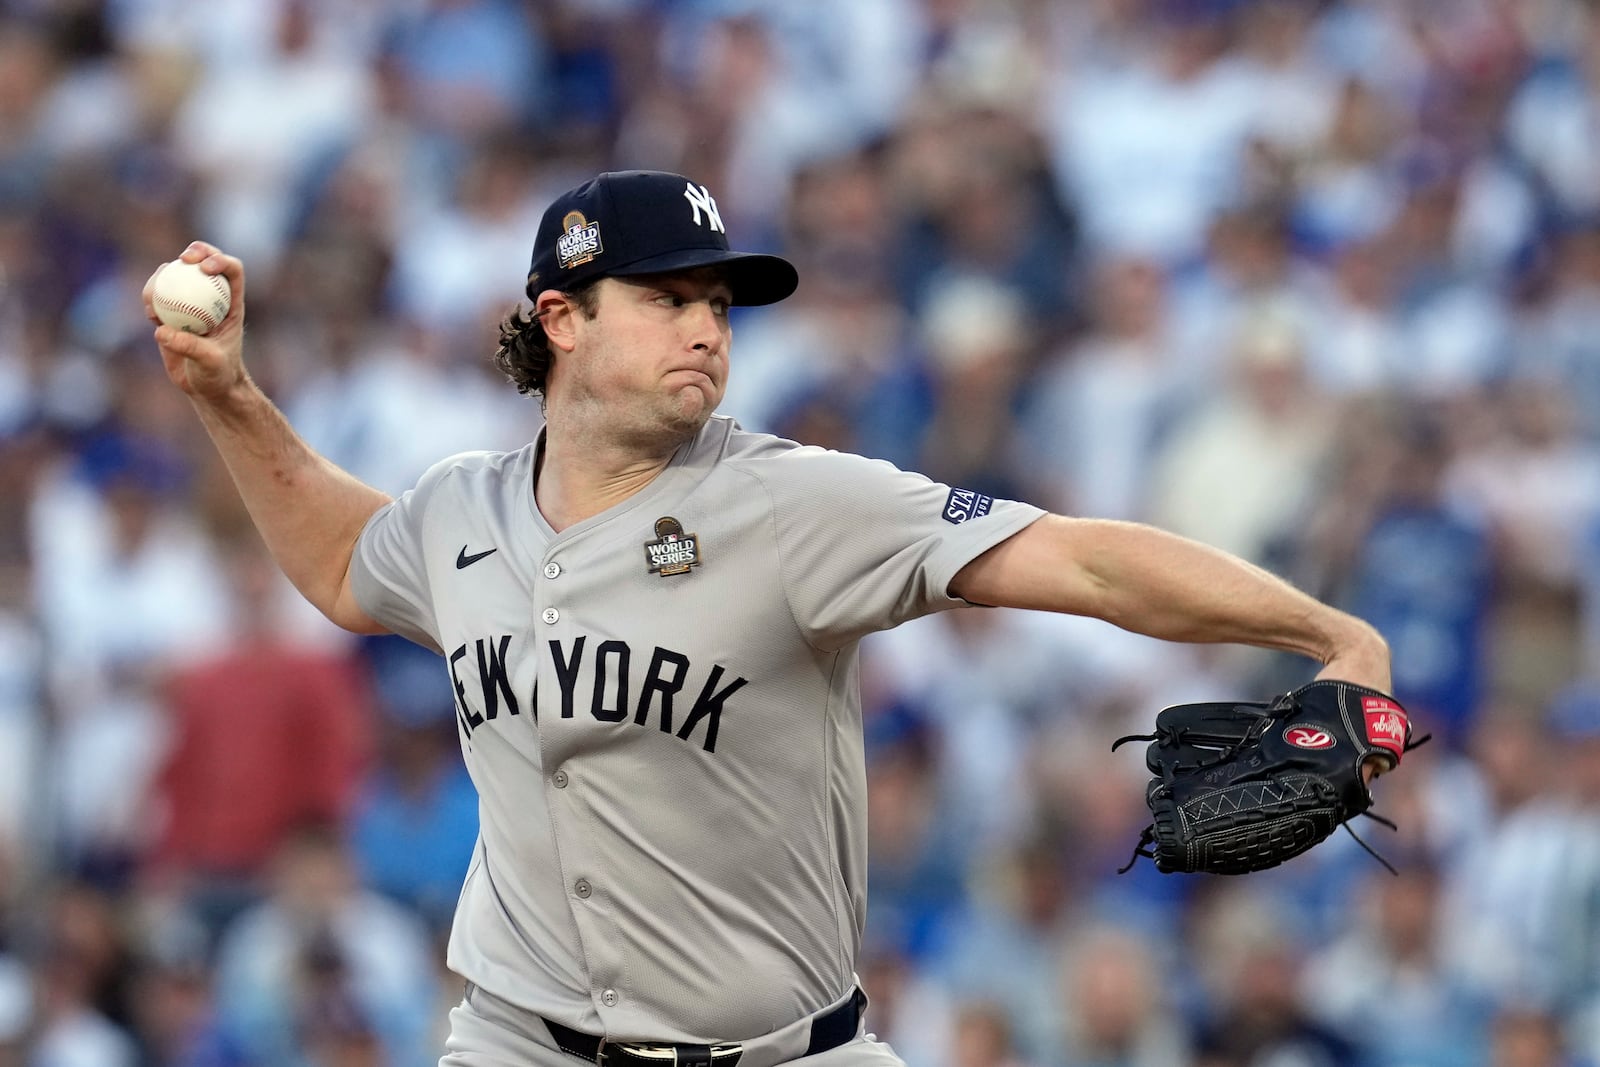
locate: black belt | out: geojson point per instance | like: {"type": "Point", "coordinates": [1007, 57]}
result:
{"type": "Point", "coordinates": [828, 1030]}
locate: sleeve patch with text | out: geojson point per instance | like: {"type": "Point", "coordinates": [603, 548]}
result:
{"type": "Point", "coordinates": [964, 504]}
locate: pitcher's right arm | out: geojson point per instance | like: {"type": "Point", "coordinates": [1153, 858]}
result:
{"type": "Point", "coordinates": [308, 510]}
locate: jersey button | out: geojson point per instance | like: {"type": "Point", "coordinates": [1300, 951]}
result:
{"type": "Point", "coordinates": [582, 888]}
{"type": "Point", "coordinates": [560, 779]}
{"type": "Point", "coordinates": [550, 615]}
{"type": "Point", "coordinates": [552, 570]}
{"type": "Point", "coordinates": [609, 998]}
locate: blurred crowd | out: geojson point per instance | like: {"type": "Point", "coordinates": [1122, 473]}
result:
{"type": "Point", "coordinates": [1315, 281]}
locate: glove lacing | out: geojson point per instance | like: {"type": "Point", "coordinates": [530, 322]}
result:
{"type": "Point", "coordinates": [1375, 817]}
{"type": "Point", "coordinates": [1170, 737]}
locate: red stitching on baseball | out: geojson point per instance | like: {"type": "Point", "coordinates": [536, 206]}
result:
{"type": "Point", "coordinates": [198, 312]}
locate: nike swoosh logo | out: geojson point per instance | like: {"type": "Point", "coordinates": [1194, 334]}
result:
{"type": "Point", "coordinates": [464, 560]}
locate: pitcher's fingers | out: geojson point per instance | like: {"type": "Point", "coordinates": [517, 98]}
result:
{"type": "Point", "coordinates": [197, 251]}
{"type": "Point", "coordinates": [213, 260]}
{"type": "Point", "coordinates": [178, 342]}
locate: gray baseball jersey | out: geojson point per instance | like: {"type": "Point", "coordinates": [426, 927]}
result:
{"type": "Point", "coordinates": [659, 707]}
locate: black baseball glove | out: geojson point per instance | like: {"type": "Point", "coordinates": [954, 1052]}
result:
{"type": "Point", "coordinates": [1240, 787]}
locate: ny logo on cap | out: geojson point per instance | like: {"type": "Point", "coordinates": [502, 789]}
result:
{"type": "Point", "coordinates": [700, 200]}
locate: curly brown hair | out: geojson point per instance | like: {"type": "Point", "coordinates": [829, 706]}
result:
{"type": "Point", "coordinates": [524, 353]}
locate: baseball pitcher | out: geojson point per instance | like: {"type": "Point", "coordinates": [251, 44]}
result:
{"type": "Point", "coordinates": [650, 620]}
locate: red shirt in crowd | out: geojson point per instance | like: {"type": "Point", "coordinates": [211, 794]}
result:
{"type": "Point", "coordinates": [266, 737]}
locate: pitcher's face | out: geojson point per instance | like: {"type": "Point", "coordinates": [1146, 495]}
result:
{"type": "Point", "coordinates": [655, 354]}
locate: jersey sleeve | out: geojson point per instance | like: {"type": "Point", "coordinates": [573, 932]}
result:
{"type": "Point", "coordinates": [388, 570]}
{"type": "Point", "coordinates": [865, 546]}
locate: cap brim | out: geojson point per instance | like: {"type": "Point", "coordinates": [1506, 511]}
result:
{"type": "Point", "coordinates": [754, 278]}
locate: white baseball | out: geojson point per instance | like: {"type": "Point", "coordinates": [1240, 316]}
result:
{"type": "Point", "coordinates": [189, 299]}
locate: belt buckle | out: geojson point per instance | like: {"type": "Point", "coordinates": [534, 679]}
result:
{"type": "Point", "coordinates": [667, 1055]}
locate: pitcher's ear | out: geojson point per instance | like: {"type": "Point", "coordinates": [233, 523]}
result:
{"type": "Point", "coordinates": [557, 312]}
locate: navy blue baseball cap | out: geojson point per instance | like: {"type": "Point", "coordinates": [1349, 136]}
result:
{"type": "Point", "coordinates": [630, 222]}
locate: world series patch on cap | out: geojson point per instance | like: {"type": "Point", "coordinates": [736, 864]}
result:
{"type": "Point", "coordinates": [628, 223]}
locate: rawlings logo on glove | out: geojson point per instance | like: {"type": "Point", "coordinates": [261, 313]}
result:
{"type": "Point", "coordinates": [1241, 787]}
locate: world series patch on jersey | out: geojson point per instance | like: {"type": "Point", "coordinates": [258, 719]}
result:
{"type": "Point", "coordinates": [673, 551]}
{"type": "Point", "coordinates": [668, 748]}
